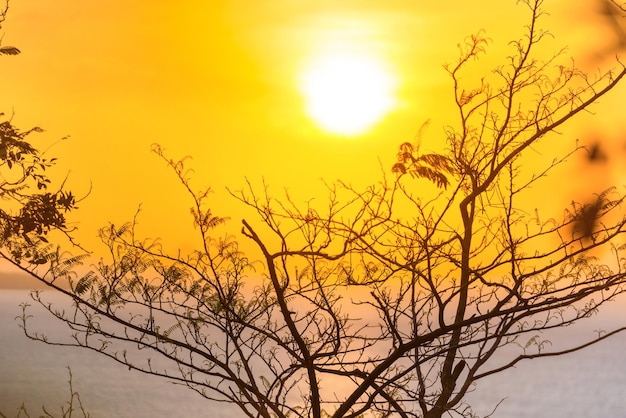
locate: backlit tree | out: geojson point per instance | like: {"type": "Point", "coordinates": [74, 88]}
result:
{"type": "Point", "coordinates": [394, 300]}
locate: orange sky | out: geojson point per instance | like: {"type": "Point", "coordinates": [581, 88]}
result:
{"type": "Point", "coordinates": [217, 80]}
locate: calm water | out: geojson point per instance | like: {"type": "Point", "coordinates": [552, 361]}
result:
{"type": "Point", "coordinates": [590, 383]}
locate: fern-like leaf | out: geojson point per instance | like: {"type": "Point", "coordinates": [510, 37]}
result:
{"type": "Point", "coordinates": [9, 50]}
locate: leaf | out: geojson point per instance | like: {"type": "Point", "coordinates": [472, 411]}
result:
{"type": "Point", "coordinates": [398, 168]}
{"type": "Point", "coordinates": [84, 284]}
{"type": "Point", "coordinates": [171, 329]}
{"type": "Point", "coordinates": [40, 260]}
{"type": "Point", "coordinates": [532, 341]}
{"type": "Point", "coordinates": [266, 382]}
{"type": "Point", "coordinates": [9, 50]}
{"type": "Point", "coordinates": [438, 161]}
{"type": "Point", "coordinates": [428, 173]}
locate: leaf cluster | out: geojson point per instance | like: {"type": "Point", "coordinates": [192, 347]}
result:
{"type": "Point", "coordinates": [31, 210]}
{"type": "Point", "coordinates": [431, 166]}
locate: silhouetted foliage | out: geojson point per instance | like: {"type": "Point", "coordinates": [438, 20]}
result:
{"type": "Point", "coordinates": [9, 50]}
{"type": "Point", "coordinates": [433, 167]}
{"type": "Point", "coordinates": [596, 154]}
{"type": "Point", "coordinates": [31, 210]}
{"type": "Point", "coordinates": [586, 218]}
{"type": "Point", "coordinates": [387, 301]}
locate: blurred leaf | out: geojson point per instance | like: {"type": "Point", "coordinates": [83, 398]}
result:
{"type": "Point", "coordinates": [9, 50]}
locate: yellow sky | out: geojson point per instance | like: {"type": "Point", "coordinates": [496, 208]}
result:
{"type": "Point", "coordinates": [217, 80]}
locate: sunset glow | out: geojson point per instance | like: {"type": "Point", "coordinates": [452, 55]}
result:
{"type": "Point", "coordinates": [347, 94]}
{"type": "Point", "coordinates": [313, 209]}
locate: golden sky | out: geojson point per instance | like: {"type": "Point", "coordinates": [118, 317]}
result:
{"type": "Point", "coordinates": [219, 80]}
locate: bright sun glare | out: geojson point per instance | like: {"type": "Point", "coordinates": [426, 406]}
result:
{"type": "Point", "coordinates": [346, 94]}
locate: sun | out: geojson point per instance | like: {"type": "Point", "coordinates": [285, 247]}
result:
{"type": "Point", "coordinates": [347, 94]}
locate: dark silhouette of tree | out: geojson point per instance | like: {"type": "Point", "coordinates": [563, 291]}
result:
{"type": "Point", "coordinates": [30, 210]}
{"type": "Point", "coordinates": [388, 301]}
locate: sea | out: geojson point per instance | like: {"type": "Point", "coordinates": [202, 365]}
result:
{"type": "Point", "coordinates": [587, 383]}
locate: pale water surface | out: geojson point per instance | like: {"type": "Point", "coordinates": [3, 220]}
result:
{"type": "Point", "coordinates": [589, 383]}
